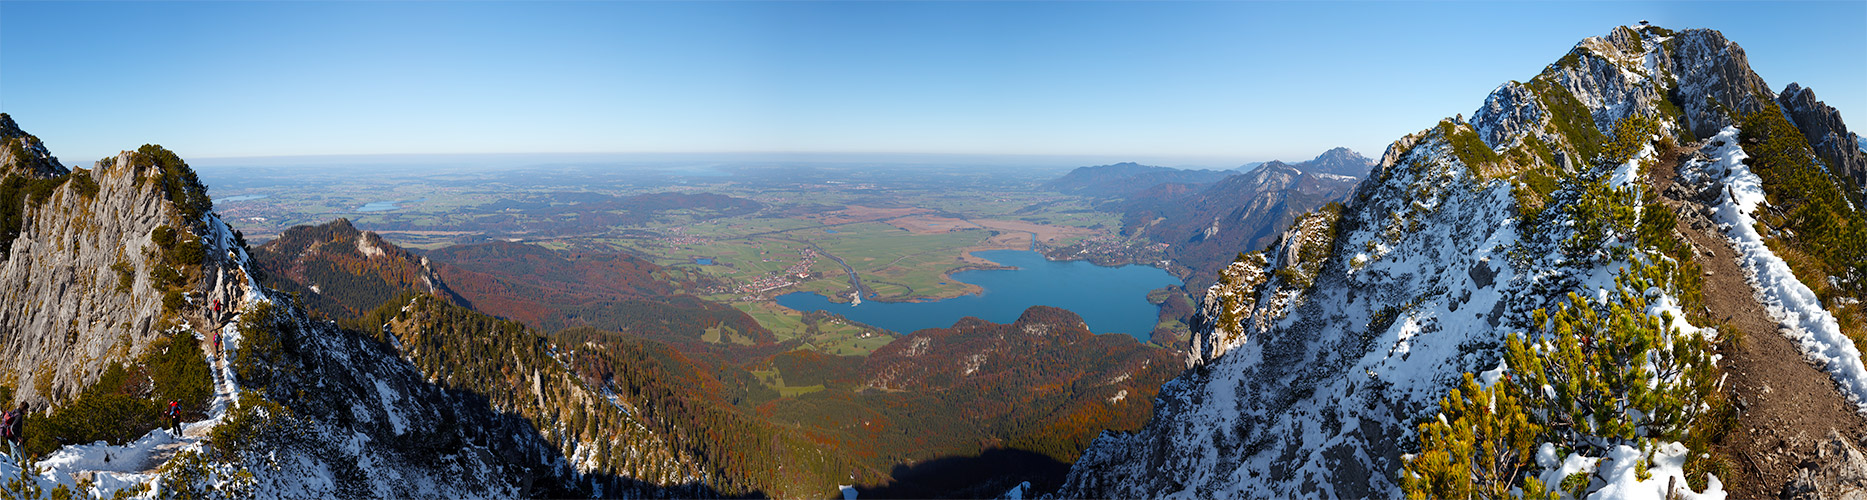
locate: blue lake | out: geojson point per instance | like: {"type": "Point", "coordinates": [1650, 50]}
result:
{"type": "Point", "coordinates": [243, 197]}
{"type": "Point", "coordinates": [704, 262]}
{"type": "Point", "coordinates": [383, 206]}
{"type": "Point", "coordinates": [1110, 299]}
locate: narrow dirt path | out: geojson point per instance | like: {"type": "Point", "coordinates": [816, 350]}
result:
{"type": "Point", "coordinates": [1785, 404]}
{"type": "Point", "coordinates": [194, 432]}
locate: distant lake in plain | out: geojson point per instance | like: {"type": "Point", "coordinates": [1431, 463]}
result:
{"type": "Point", "coordinates": [1110, 299]}
{"type": "Point", "coordinates": [384, 206]}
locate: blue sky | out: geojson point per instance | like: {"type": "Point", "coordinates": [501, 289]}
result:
{"type": "Point", "coordinates": [1183, 83]}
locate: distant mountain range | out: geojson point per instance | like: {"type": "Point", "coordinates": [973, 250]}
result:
{"type": "Point", "coordinates": [1207, 216]}
{"type": "Point", "coordinates": [1205, 226]}
{"type": "Point", "coordinates": [1124, 179]}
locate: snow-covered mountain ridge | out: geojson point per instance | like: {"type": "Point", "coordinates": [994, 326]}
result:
{"type": "Point", "coordinates": [1314, 362]}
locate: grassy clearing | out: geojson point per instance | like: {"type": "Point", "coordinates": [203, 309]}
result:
{"type": "Point", "coordinates": [783, 322]}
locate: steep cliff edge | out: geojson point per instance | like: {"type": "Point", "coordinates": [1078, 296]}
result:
{"type": "Point", "coordinates": [1469, 259]}
{"type": "Point", "coordinates": [88, 284]}
{"type": "Point", "coordinates": [1822, 125]}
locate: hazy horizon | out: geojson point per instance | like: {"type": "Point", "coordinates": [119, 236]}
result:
{"type": "Point", "coordinates": [496, 160]}
{"type": "Point", "coordinates": [1205, 84]}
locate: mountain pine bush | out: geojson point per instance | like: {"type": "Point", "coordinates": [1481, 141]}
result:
{"type": "Point", "coordinates": [1808, 221]}
{"type": "Point", "coordinates": [126, 402]}
{"type": "Point", "coordinates": [1589, 377]}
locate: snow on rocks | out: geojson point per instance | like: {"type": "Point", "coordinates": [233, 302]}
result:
{"type": "Point", "coordinates": [389, 396]}
{"type": "Point", "coordinates": [112, 468]}
{"type": "Point", "coordinates": [1796, 308]}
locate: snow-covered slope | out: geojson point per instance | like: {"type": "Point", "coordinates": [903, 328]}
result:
{"type": "Point", "coordinates": [1312, 366]}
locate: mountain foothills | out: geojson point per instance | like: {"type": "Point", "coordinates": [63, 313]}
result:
{"type": "Point", "coordinates": [1587, 289]}
{"type": "Point", "coordinates": [1636, 275]}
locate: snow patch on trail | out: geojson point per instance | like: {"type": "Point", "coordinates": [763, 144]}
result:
{"type": "Point", "coordinates": [113, 468]}
{"type": "Point", "coordinates": [1792, 304]}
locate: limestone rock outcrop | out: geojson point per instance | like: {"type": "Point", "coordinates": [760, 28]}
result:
{"type": "Point", "coordinates": [79, 288]}
{"type": "Point", "coordinates": [1822, 125]}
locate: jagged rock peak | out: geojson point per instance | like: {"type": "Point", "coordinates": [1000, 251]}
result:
{"type": "Point", "coordinates": [22, 152]}
{"type": "Point", "coordinates": [342, 225]}
{"type": "Point", "coordinates": [1821, 124]}
{"type": "Point", "coordinates": [1338, 161]}
{"type": "Point", "coordinates": [1703, 80]}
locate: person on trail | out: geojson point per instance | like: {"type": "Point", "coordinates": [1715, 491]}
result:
{"type": "Point", "coordinates": [174, 413]}
{"type": "Point", "coordinates": [216, 343]}
{"type": "Point", "coordinates": [13, 428]}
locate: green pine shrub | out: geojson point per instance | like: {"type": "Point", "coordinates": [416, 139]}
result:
{"type": "Point", "coordinates": [178, 183]}
{"type": "Point", "coordinates": [268, 346]}
{"type": "Point", "coordinates": [250, 425]}
{"type": "Point", "coordinates": [1808, 222]}
{"type": "Point", "coordinates": [126, 401]}
{"type": "Point", "coordinates": [1588, 377]}
{"type": "Point", "coordinates": [126, 276]}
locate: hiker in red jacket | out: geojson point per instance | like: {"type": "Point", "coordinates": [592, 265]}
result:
{"type": "Point", "coordinates": [175, 417]}
{"type": "Point", "coordinates": [13, 429]}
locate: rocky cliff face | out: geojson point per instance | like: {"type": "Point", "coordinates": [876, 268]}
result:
{"type": "Point", "coordinates": [1711, 77]}
{"type": "Point", "coordinates": [1821, 124]}
{"type": "Point", "coordinates": [1313, 361]}
{"type": "Point", "coordinates": [81, 288]}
